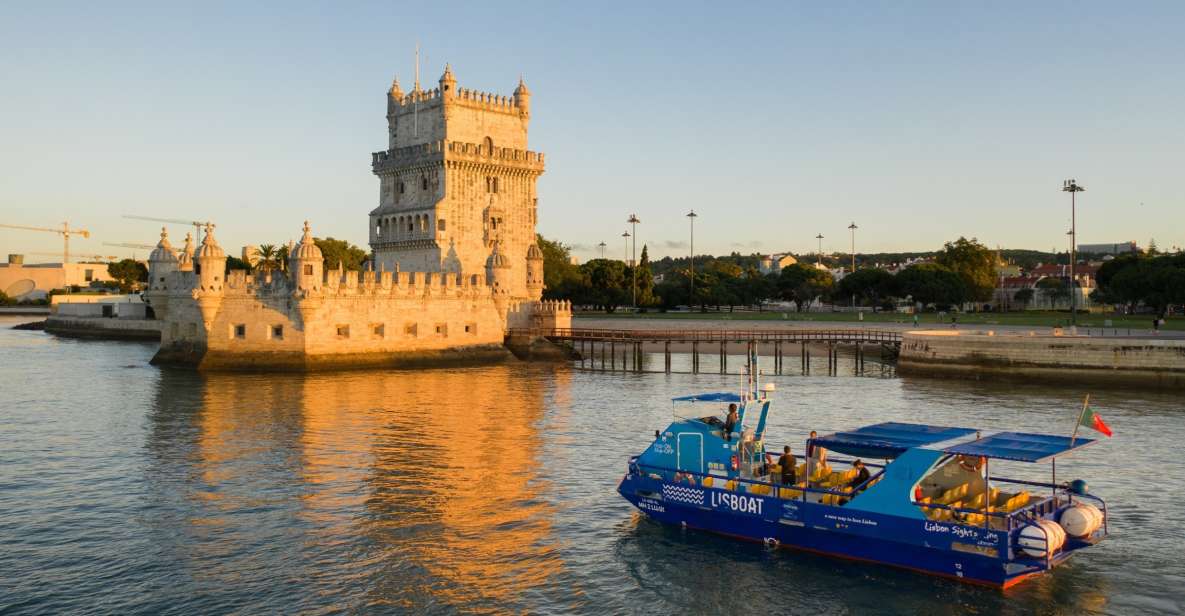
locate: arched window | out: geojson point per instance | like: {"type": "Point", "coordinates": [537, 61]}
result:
{"type": "Point", "coordinates": [401, 188]}
{"type": "Point", "coordinates": [495, 184]}
{"type": "Point", "coordinates": [488, 144]}
{"type": "Point", "coordinates": [440, 224]}
{"type": "Point", "coordinates": [424, 182]}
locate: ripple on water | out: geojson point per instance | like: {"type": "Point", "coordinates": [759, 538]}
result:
{"type": "Point", "coordinates": [486, 490]}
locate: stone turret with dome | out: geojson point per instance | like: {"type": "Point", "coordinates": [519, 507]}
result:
{"type": "Point", "coordinates": [162, 261]}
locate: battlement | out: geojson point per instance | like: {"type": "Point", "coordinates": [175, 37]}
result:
{"type": "Point", "coordinates": [456, 150]}
{"type": "Point", "coordinates": [425, 99]}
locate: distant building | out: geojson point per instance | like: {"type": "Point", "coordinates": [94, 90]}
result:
{"type": "Point", "coordinates": [1121, 248]}
{"type": "Point", "coordinates": [250, 254]}
{"type": "Point", "coordinates": [773, 264]}
{"type": "Point", "coordinates": [35, 281]}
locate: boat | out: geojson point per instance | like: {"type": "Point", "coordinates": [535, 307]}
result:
{"type": "Point", "coordinates": [930, 502]}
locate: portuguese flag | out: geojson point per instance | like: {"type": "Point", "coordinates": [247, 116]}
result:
{"type": "Point", "coordinates": [1091, 420]}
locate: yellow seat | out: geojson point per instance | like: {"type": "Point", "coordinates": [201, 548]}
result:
{"type": "Point", "coordinates": [790, 492]}
{"type": "Point", "coordinates": [763, 490]}
{"type": "Point", "coordinates": [707, 483]}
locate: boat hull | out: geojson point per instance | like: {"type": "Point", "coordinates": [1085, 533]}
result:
{"type": "Point", "coordinates": [977, 556]}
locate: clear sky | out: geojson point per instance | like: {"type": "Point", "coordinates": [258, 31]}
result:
{"type": "Point", "coordinates": [774, 122]}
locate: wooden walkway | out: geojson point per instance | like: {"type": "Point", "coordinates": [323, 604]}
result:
{"type": "Point", "coordinates": [625, 349]}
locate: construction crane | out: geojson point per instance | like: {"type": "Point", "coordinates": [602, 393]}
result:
{"type": "Point", "coordinates": [91, 257]}
{"type": "Point", "coordinates": [65, 232]}
{"type": "Point", "coordinates": [197, 224]}
{"type": "Point", "coordinates": [131, 245]}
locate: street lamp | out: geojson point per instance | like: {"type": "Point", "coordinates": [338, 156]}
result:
{"type": "Point", "coordinates": [633, 220]}
{"type": "Point", "coordinates": [1072, 187]}
{"type": "Point", "coordinates": [602, 247]}
{"type": "Point", "coordinates": [819, 255]}
{"type": "Point", "coordinates": [626, 235]}
{"type": "Point", "coordinates": [691, 218]}
{"type": "Point", "coordinates": [852, 227]}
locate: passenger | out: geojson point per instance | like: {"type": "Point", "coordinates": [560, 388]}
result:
{"type": "Point", "coordinates": [730, 422]}
{"type": "Point", "coordinates": [817, 454]}
{"type": "Point", "coordinates": [861, 475]}
{"type": "Point", "coordinates": [788, 463]}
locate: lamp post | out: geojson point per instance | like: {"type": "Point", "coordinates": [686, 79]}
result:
{"type": "Point", "coordinates": [633, 220]}
{"type": "Point", "coordinates": [626, 236]}
{"type": "Point", "coordinates": [691, 218]}
{"type": "Point", "coordinates": [819, 255]}
{"type": "Point", "coordinates": [602, 247]}
{"type": "Point", "coordinates": [1072, 187]}
{"type": "Point", "coordinates": [852, 227]}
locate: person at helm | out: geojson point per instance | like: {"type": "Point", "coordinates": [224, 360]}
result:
{"type": "Point", "coordinates": [730, 422]}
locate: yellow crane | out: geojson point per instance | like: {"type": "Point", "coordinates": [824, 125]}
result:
{"type": "Point", "coordinates": [197, 224]}
{"type": "Point", "coordinates": [65, 232]}
{"type": "Point", "coordinates": [92, 257]}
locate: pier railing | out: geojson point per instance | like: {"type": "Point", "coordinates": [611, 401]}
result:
{"type": "Point", "coordinates": [853, 335]}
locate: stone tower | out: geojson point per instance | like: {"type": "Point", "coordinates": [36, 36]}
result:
{"type": "Point", "coordinates": [455, 181]}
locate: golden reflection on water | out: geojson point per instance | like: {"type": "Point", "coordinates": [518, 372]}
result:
{"type": "Point", "coordinates": [435, 473]}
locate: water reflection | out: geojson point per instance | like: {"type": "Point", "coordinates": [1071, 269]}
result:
{"type": "Point", "coordinates": [426, 485]}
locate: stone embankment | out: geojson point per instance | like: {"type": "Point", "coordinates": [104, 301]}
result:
{"type": "Point", "coordinates": [103, 328]}
{"type": "Point", "coordinates": [1141, 361]}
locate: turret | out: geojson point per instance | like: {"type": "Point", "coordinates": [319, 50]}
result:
{"type": "Point", "coordinates": [448, 83]}
{"type": "Point", "coordinates": [185, 259]}
{"type": "Point", "coordinates": [394, 95]}
{"type": "Point", "coordinates": [211, 269]}
{"type": "Point", "coordinates": [522, 97]}
{"type": "Point", "coordinates": [498, 270]}
{"type": "Point", "coordinates": [161, 262]}
{"type": "Point", "coordinates": [534, 272]}
{"type": "Point", "coordinates": [306, 264]}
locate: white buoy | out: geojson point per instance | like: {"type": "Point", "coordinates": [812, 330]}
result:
{"type": "Point", "coordinates": [1041, 539]}
{"type": "Point", "coordinates": [1081, 519]}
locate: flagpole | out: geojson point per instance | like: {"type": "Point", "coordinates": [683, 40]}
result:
{"type": "Point", "coordinates": [1077, 424]}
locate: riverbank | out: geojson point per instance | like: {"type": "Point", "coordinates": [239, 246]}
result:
{"type": "Point", "coordinates": [1082, 359]}
{"type": "Point", "coordinates": [1121, 323]}
{"type": "Point", "coordinates": [103, 328]}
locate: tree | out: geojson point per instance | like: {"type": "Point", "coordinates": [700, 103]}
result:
{"type": "Point", "coordinates": [868, 285]}
{"type": "Point", "coordinates": [605, 284]}
{"type": "Point", "coordinates": [803, 284]}
{"type": "Point", "coordinates": [267, 258]}
{"type": "Point", "coordinates": [1055, 289]}
{"type": "Point", "coordinates": [645, 282]}
{"type": "Point", "coordinates": [341, 251]}
{"type": "Point", "coordinates": [1024, 296]}
{"type": "Point", "coordinates": [1152, 249]}
{"type": "Point", "coordinates": [932, 284]}
{"type": "Point", "coordinates": [235, 263]}
{"type": "Point", "coordinates": [974, 263]}
{"type": "Point", "coordinates": [128, 273]}
{"type": "Point", "coordinates": [282, 257]}
{"type": "Point", "coordinates": [561, 279]}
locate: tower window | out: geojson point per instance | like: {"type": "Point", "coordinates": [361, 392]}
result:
{"type": "Point", "coordinates": [240, 332]}
{"type": "Point", "coordinates": [401, 188]}
{"type": "Point", "coordinates": [343, 331]}
{"type": "Point", "coordinates": [277, 332]}
{"type": "Point", "coordinates": [308, 269]}
{"type": "Point", "coordinates": [424, 183]}
{"type": "Point", "coordinates": [440, 224]}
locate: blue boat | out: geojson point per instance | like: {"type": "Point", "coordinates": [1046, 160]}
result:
{"type": "Point", "coordinates": [930, 504]}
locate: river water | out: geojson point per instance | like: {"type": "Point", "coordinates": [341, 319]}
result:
{"type": "Point", "coordinates": [129, 489]}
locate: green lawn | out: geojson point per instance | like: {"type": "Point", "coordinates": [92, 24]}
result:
{"type": "Point", "coordinates": [1031, 318]}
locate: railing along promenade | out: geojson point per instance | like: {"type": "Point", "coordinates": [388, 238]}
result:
{"type": "Point", "coordinates": [624, 349]}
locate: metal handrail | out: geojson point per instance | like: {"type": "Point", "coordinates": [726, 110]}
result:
{"type": "Point", "coordinates": [714, 335]}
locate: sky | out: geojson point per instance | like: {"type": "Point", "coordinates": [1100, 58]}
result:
{"type": "Point", "coordinates": [920, 122]}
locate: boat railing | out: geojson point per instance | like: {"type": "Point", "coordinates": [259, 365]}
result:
{"type": "Point", "coordinates": [672, 475]}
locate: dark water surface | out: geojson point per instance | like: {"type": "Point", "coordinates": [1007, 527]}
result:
{"type": "Point", "coordinates": [128, 489]}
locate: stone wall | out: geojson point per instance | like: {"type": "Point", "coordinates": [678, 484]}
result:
{"type": "Point", "coordinates": [1082, 359]}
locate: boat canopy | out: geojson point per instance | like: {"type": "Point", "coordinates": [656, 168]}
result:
{"type": "Point", "coordinates": [1019, 446]}
{"type": "Point", "coordinates": [889, 439]}
{"type": "Point", "coordinates": [720, 396]}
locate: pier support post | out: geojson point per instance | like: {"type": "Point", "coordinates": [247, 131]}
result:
{"type": "Point", "coordinates": [666, 352]}
{"type": "Point", "coordinates": [694, 357]}
{"type": "Point", "coordinates": [723, 354]}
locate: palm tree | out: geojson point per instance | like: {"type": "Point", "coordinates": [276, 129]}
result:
{"type": "Point", "coordinates": [267, 257]}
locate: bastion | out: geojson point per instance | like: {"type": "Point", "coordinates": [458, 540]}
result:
{"type": "Point", "coordinates": [454, 268]}
{"type": "Point", "coordinates": [1140, 361]}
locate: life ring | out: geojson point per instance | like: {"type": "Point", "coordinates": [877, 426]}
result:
{"type": "Point", "coordinates": [971, 464]}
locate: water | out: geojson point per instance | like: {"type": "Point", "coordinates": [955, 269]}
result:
{"type": "Point", "coordinates": [128, 489]}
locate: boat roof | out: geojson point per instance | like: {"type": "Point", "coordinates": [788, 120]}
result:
{"type": "Point", "coordinates": [891, 439]}
{"type": "Point", "coordinates": [1020, 446]}
{"type": "Point", "coordinates": [720, 396]}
